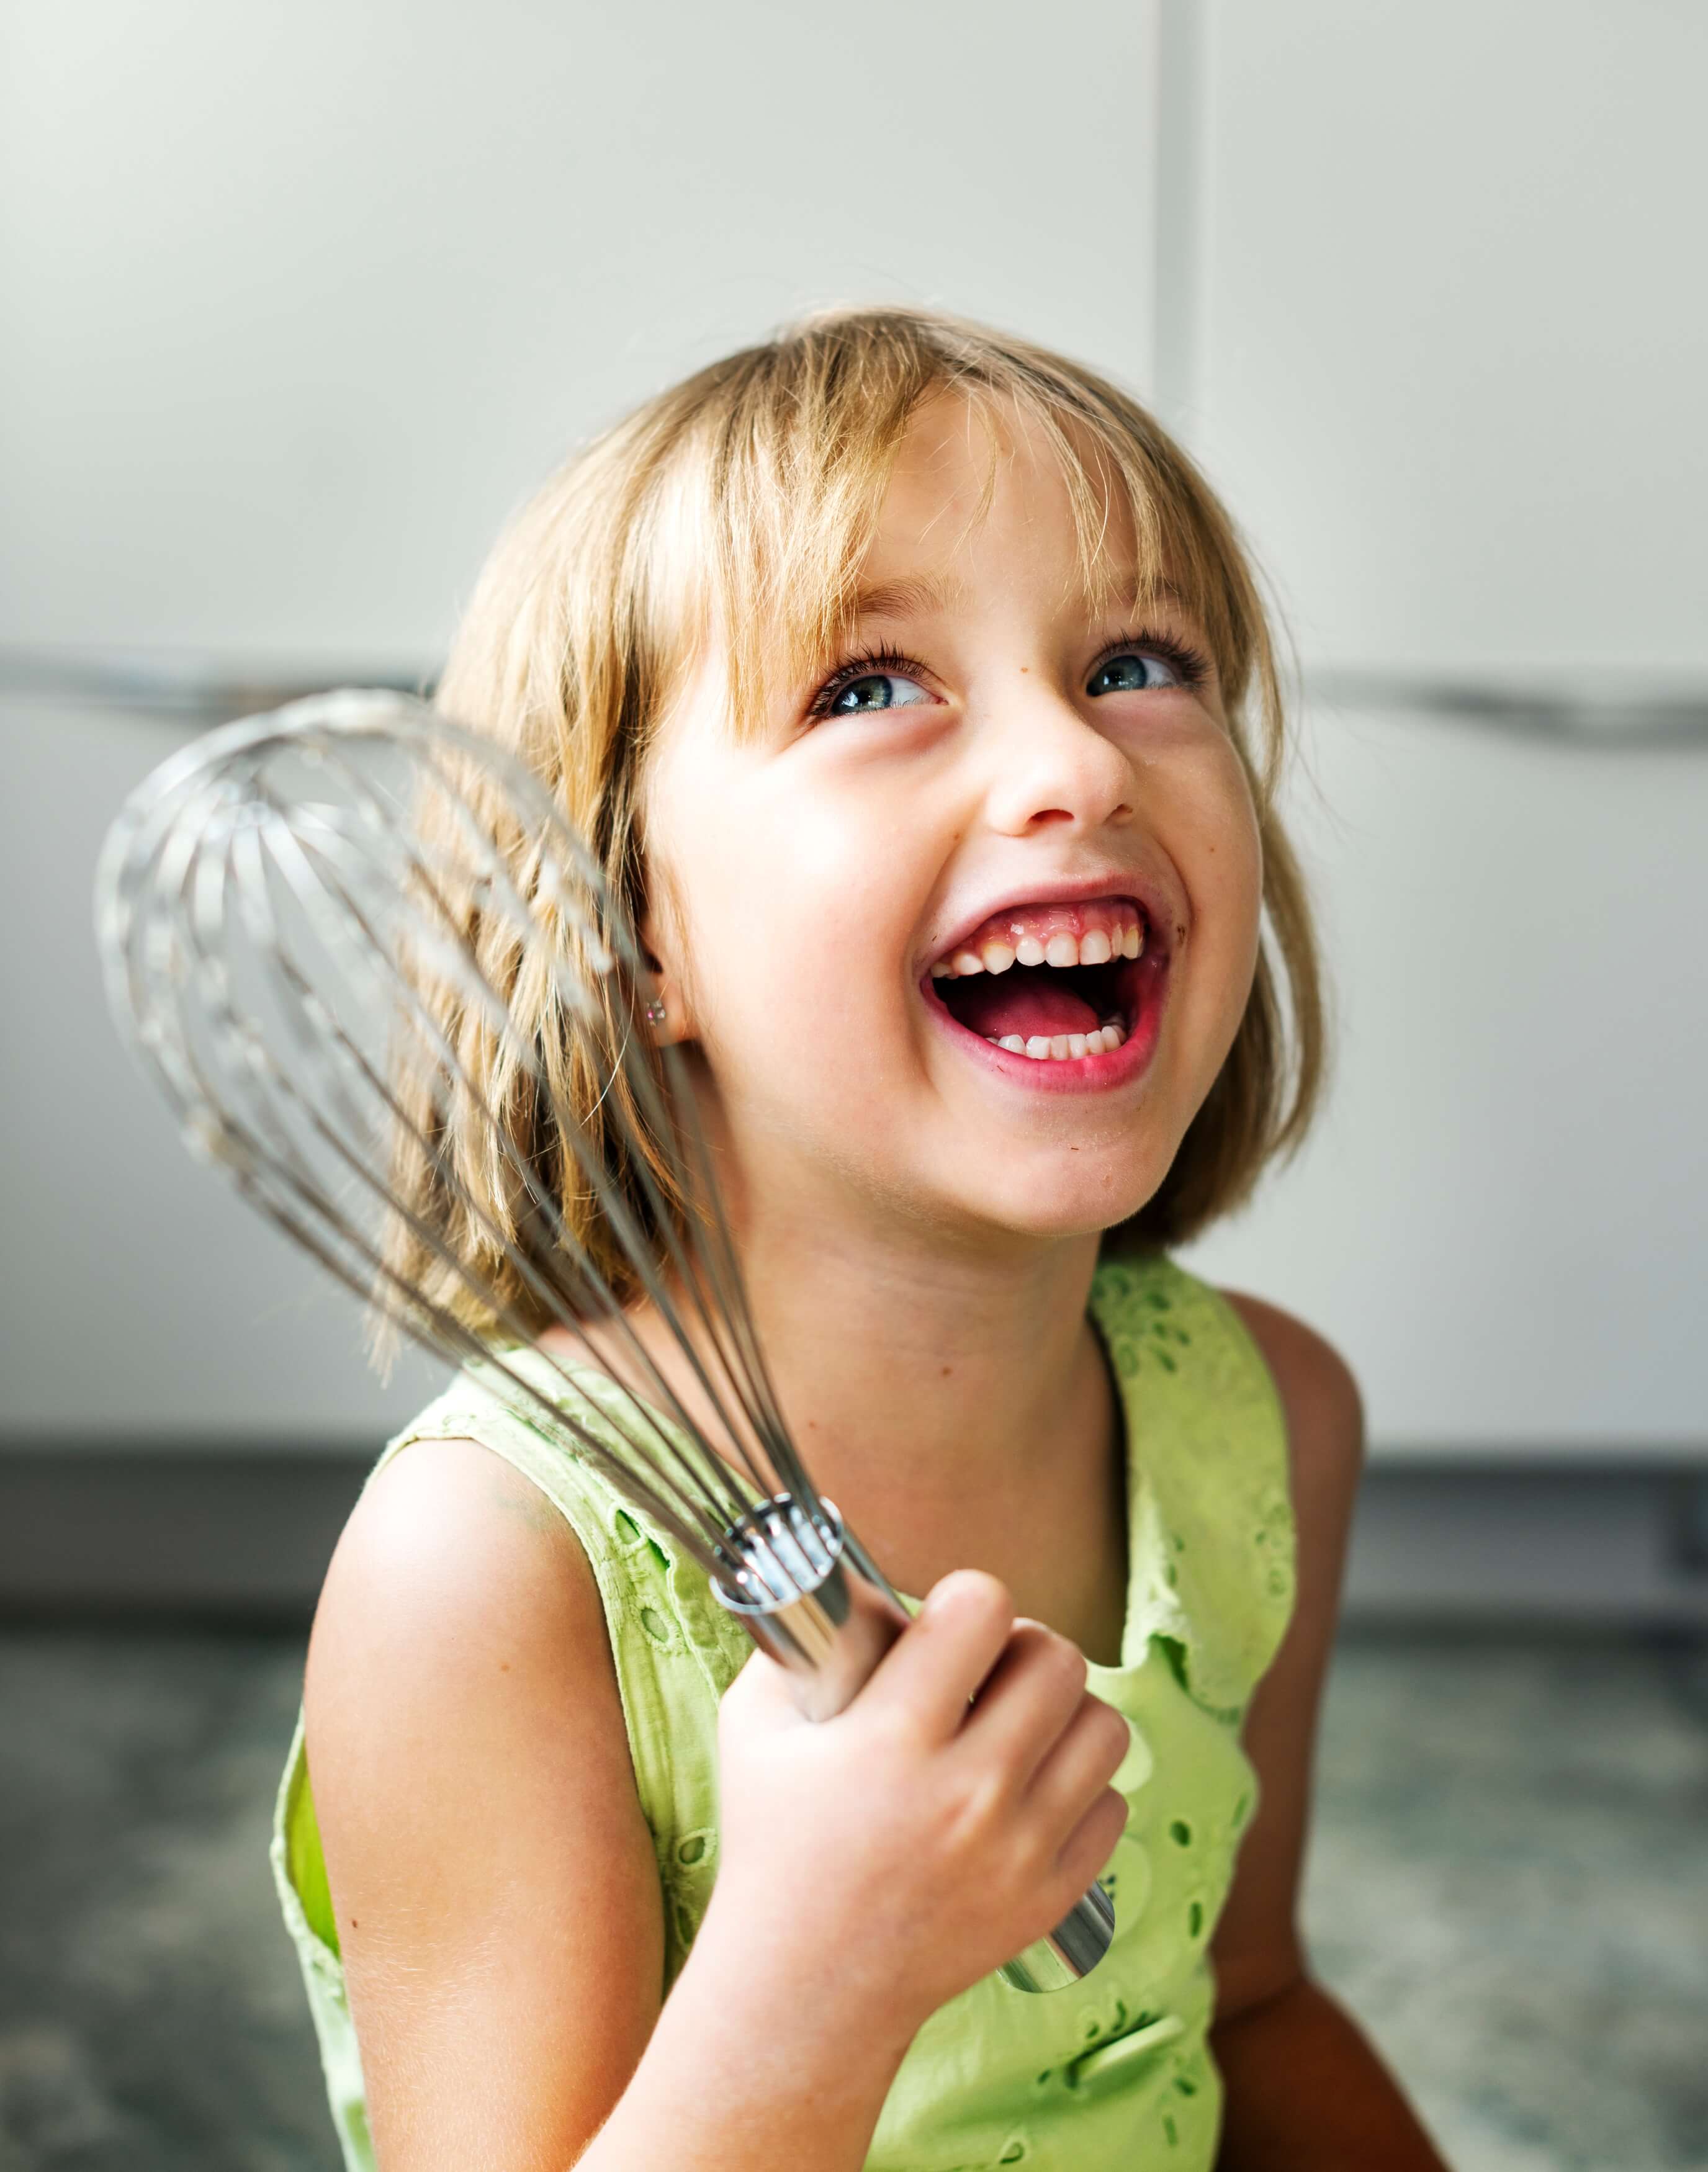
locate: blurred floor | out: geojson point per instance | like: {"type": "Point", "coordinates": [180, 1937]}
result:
{"type": "Point", "coordinates": [1510, 1885]}
{"type": "Point", "coordinates": [150, 2013]}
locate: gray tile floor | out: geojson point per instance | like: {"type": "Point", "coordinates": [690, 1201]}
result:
{"type": "Point", "coordinates": [1509, 1883]}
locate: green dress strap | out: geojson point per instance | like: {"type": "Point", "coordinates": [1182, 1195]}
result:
{"type": "Point", "coordinates": [1211, 1556]}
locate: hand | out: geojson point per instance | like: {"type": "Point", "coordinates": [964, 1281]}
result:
{"type": "Point", "coordinates": [885, 1859]}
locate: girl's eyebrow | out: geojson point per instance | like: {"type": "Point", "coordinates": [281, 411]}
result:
{"type": "Point", "coordinates": [913, 595]}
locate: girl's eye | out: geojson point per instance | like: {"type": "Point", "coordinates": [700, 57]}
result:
{"type": "Point", "coordinates": [1135, 671]}
{"type": "Point", "coordinates": [873, 690]}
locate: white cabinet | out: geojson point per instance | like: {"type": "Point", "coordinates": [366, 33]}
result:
{"type": "Point", "coordinates": [1451, 329]}
{"type": "Point", "coordinates": [139, 1298]}
{"type": "Point", "coordinates": [1503, 1216]}
{"type": "Point", "coordinates": [1449, 341]}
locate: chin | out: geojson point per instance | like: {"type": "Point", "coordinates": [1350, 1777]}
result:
{"type": "Point", "coordinates": [1074, 1200]}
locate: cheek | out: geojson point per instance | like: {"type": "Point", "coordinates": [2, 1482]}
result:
{"type": "Point", "coordinates": [790, 927]}
{"type": "Point", "coordinates": [1223, 867]}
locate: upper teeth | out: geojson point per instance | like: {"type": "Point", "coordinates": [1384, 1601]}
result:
{"type": "Point", "coordinates": [995, 954]}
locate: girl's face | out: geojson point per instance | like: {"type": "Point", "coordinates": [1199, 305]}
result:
{"type": "Point", "coordinates": [903, 918]}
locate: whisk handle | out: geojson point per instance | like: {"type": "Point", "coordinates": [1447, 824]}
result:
{"type": "Point", "coordinates": [830, 1638]}
{"type": "Point", "coordinates": [828, 1619]}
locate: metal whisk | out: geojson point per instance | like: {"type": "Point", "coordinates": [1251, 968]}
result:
{"type": "Point", "coordinates": [319, 929]}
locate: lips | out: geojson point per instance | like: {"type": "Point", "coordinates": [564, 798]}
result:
{"type": "Point", "coordinates": [1082, 931]}
{"type": "Point", "coordinates": [1056, 982]}
{"type": "Point", "coordinates": [1059, 1028]}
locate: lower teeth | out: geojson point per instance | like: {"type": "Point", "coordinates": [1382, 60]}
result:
{"type": "Point", "coordinates": [1063, 1047]}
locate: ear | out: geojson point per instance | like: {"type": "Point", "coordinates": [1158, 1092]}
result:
{"type": "Point", "coordinates": [665, 995]}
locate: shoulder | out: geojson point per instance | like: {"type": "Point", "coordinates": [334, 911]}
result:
{"type": "Point", "coordinates": [449, 1538]}
{"type": "Point", "coordinates": [1151, 1308]}
{"type": "Point", "coordinates": [459, 1621]}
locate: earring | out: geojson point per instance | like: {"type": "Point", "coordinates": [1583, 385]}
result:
{"type": "Point", "coordinates": [655, 1012]}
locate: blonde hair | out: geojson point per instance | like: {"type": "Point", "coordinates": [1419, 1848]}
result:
{"type": "Point", "coordinates": [743, 499]}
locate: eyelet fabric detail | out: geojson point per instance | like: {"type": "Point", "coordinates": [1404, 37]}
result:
{"type": "Point", "coordinates": [1102, 2065]}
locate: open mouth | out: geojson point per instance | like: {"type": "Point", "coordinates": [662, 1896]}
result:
{"type": "Point", "coordinates": [1054, 983]}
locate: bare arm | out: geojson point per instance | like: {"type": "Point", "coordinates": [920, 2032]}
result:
{"type": "Point", "coordinates": [1306, 2092]}
{"type": "Point", "coordinates": [498, 1903]}
{"type": "Point", "coordinates": [494, 1881]}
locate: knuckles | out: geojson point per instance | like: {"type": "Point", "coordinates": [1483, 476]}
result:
{"type": "Point", "coordinates": [1114, 1736]}
{"type": "Point", "coordinates": [970, 1805]}
{"type": "Point", "coordinates": [1067, 1662]}
{"type": "Point", "coordinates": [1053, 1663]}
{"type": "Point", "coordinates": [1093, 1841]}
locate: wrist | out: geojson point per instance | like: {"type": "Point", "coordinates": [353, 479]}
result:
{"type": "Point", "coordinates": [743, 2070]}
{"type": "Point", "coordinates": [808, 2008]}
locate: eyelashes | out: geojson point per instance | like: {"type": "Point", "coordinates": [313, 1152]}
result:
{"type": "Point", "coordinates": [865, 663]}
{"type": "Point", "coordinates": [1190, 666]}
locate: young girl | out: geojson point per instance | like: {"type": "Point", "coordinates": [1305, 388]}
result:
{"type": "Point", "coordinates": [913, 688]}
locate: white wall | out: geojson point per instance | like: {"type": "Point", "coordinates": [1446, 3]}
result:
{"type": "Point", "coordinates": [296, 301]}
{"type": "Point", "coordinates": [1450, 332]}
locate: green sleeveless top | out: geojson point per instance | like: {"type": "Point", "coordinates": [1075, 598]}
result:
{"type": "Point", "coordinates": [1113, 2075]}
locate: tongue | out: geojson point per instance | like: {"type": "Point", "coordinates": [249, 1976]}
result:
{"type": "Point", "coordinates": [1026, 1000]}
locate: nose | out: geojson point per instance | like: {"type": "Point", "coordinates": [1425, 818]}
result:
{"type": "Point", "coordinates": [1050, 767]}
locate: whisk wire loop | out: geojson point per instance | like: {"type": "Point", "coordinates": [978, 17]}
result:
{"type": "Point", "coordinates": [608, 946]}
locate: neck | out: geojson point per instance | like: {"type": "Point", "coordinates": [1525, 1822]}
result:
{"type": "Point", "coordinates": [915, 1373]}
{"type": "Point", "coordinates": [944, 1390]}
{"type": "Point", "coordinates": [955, 1406]}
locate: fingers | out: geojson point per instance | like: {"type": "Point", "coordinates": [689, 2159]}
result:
{"type": "Point", "coordinates": [938, 1664]}
{"type": "Point", "coordinates": [1009, 1695]}
{"type": "Point", "coordinates": [1081, 1763]}
{"type": "Point", "coordinates": [1089, 1846]}
{"type": "Point", "coordinates": [1028, 1701]}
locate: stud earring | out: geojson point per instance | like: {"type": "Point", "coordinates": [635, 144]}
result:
{"type": "Point", "coordinates": [655, 1012]}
